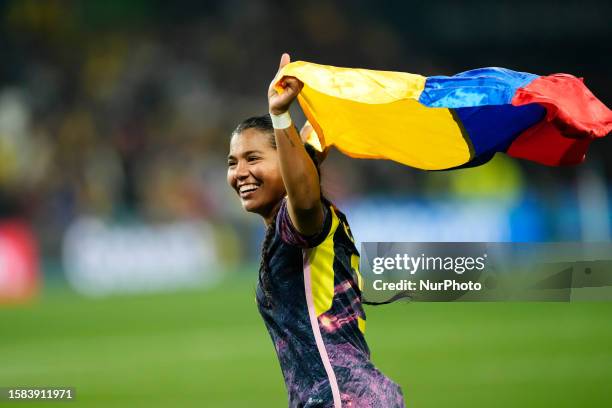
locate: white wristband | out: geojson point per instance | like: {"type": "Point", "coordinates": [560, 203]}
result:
{"type": "Point", "coordinates": [282, 121]}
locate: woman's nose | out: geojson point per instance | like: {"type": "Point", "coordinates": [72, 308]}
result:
{"type": "Point", "coordinates": [242, 170]}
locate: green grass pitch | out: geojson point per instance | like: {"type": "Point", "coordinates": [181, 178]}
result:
{"type": "Point", "coordinates": [210, 349]}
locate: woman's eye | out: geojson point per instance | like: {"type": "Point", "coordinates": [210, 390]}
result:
{"type": "Point", "coordinates": [252, 158]}
{"type": "Point", "coordinates": [231, 163]}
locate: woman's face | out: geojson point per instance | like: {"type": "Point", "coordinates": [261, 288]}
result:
{"type": "Point", "coordinates": [253, 172]}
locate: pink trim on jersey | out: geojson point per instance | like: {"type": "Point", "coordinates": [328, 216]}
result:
{"type": "Point", "coordinates": [314, 323]}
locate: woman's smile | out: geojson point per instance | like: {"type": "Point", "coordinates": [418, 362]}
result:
{"type": "Point", "coordinates": [247, 191]}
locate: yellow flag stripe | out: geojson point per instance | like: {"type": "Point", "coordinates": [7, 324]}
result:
{"type": "Point", "coordinates": [356, 84]}
{"type": "Point", "coordinates": [404, 131]}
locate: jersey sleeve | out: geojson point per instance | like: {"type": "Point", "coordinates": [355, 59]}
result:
{"type": "Point", "coordinates": [290, 235]}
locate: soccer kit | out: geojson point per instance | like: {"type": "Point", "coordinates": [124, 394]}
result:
{"type": "Point", "coordinates": [316, 320]}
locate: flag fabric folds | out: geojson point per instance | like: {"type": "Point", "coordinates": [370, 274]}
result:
{"type": "Point", "coordinates": [444, 122]}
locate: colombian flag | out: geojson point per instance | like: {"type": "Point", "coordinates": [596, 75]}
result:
{"type": "Point", "coordinates": [444, 122]}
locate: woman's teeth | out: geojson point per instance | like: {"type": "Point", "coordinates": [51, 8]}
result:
{"type": "Point", "coordinates": [247, 188]}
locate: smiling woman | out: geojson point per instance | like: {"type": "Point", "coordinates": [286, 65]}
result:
{"type": "Point", "coordinates": [308, 292]}
{"type": "Point", "coordinates": [252, 167]}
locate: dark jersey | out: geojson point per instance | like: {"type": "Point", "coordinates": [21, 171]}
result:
{"type": "Point", "coordinates": [316, 319]}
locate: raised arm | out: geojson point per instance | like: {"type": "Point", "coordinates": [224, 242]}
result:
{"type": "Point", "coordinates": [297, 169]}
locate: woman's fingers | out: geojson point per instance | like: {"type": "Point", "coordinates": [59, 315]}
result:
{"type": "Point", "coordinates": [292, 83]}
{"type": "Point", "coordinates": [291, 87]}
{"type": "Point", "coordinates": [287, 82]}
{"type": "Point", "coordinates": [285, 59]}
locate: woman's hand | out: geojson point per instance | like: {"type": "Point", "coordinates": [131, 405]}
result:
{"type": "Point", "coordinates": [279, 103]}
{"type": "Point", "coordinates": [305, 134]}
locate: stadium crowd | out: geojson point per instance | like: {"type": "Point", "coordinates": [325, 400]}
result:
{"type": "Point", "coordinates": [124, 109]}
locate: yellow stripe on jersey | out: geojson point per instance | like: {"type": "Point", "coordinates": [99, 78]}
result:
{"type": "Point", "coordinates": [362, 324]}
{"type": "Point", "coordinates": [321, 260]}
{"type": "Point", "coordinates": [355, 267]}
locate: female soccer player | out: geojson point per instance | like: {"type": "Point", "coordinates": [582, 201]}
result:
{"type": "Point", "coordinates": [308, 291]}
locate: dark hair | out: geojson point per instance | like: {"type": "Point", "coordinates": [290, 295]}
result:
{"type": "Point", "coordinates": [264, 124]}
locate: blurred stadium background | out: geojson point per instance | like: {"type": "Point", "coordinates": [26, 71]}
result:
{"type": "Point", "coordinates": [127, 266]}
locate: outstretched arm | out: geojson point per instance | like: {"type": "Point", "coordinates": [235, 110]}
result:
{"type": "Point", "coordinates": [297, 169]}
